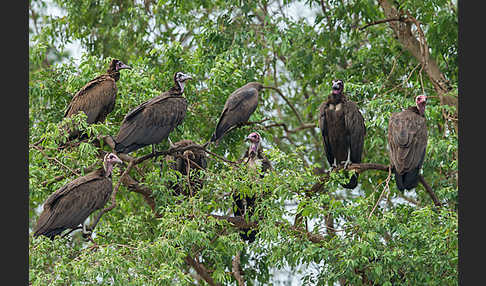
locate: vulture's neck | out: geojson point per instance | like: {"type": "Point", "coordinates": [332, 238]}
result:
{"type": "Point", "coordinates": [177, 89]}
{"type": "Point", "coordinates": [113, 74]}
{"type": "Point", "coordinates": [419, 111]}
{"type": "Point", "coordinates": [108, 169]}
{"type": "Point", "coordinates": [335, 98]}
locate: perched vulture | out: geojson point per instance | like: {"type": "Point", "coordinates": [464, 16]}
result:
{"type": "Point", "coordinates": [97, 98]}
{"type": "Point", "coordinates": [238, 108]}
{"type": "Point", "coordinates": [152, 121]}
{"type": "Point", "coordinates": [187, 162]}
{"type": "Point", "coordinates": [69, 206]}
{"type": "Point", "coordinates": [407, 140]}
{"type": "Point", "coordinates": [343, 130]}
{"type": "Point", "coordinates": [244, 205]}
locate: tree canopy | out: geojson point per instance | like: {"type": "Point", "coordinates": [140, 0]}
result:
{"type": "Point", "coordinates": [386, 52]}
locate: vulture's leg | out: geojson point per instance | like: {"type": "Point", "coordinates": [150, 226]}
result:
{"type": "Point", "coordinates": [86, 233]}
{"type": "Point", "coordinates": [171, 145]}
{"type": "Point", "coordinates": [348, 161]}
{"type": "Point", "coordinates": [333, 166]}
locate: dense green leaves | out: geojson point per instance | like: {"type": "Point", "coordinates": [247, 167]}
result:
{"type": "Point", "coordinates": [329, 235]}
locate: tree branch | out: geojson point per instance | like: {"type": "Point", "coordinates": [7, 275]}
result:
{"type": "Point", "coordinates": [235, 263]}
{"type": "Point", "coordinates": [201, 270]}
{"type": "Point", "coordinates": [382, 21]}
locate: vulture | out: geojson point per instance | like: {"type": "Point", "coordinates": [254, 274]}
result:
{"type": "Point", "coordinates": [97, 98]}
{"type": "Point", "coordinates": [238, 108]}
{"type": "Point", "coordinates": [245, 205]}
{"type": "Point", "coordinates": [343, 130]}
{"type": "Point", "coordinates": [407, 140]}
{"type": "Point", "coordinates": [187, 162]}
{"type": "Point", "coordinates": [152, 121]}
{"type": "Point", "coordinates": [69, 206]}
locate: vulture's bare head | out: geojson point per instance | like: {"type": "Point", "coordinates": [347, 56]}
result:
{"type": "Point", "coordinates": [421, 101]}
{"type": "Point", "coordinates": [108, 162]}
{"type": "Point", "coordinates": [258, 86]}
{"type": "Point", "coordinates": [337, 86]}
{"type": "Point", "coordinates": [254, 138]}
{"type": "Point", "coordinates": [117, 65]}
{"type": "Point", "coordinates": [180, 78]}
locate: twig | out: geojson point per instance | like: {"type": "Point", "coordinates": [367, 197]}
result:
{"type": "Point", "coordinates": [288, 103]}
{"type": "Point", "coordinates": [386, 188]}
{"type": "Point", "coordinates": [383, 21]}
{"type": "Point", "coordinates": [53, 159]}
{"type": "Point", "coordinates": [429, 191]}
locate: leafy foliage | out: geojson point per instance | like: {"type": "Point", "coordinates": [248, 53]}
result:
{"type": "Point", "coordinates": [296, 46]}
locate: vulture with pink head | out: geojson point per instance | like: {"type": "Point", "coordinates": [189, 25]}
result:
{"type": "Point", "coordinates": [69, 206]}
{"type": "Point", "coordinates": [407, 140]}
{"type": "Point", "coordinates": [255, 159]}
{"type": "Point", "coordinates": [343, 130]}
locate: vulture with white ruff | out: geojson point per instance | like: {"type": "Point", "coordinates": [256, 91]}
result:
{"type": "Point", "coordinates": [343, 130]}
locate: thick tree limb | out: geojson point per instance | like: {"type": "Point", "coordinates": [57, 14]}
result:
{"type": "Point", "coordinates": [418, 49]}
{"type": "Point", "coordinates": [235, 263]}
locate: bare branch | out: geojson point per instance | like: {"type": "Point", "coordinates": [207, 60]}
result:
{"type": "Point", "coordinates": [288, 103]}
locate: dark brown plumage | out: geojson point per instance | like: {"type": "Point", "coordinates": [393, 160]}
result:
{"type": "Point", "coordinates": [238, 108]}
{"type": "Point", "coordinates": [245, 205]}
{"type": "Point", "coordinates": [343, 130]}
{"type": "Point", "coordinates": [197, 159]}
{"type": "Point", "coordinates": [407, 140]}
{"type": "Point", "coordinates": [69, 206]}
{"type": "Point", "coordinates": [152, 121]}
{"type": "Point", "coordinates": [97, 98]}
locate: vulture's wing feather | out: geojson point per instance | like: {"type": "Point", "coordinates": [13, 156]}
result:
{"type": "Point", "coordinates": [238, 108]}
{"type": "Point", "coordinates": [324, 132]}
{"type": "Point", "coordinates": [356, 129]}
{"type": "Point", "coordinates": [96, 99]}
{"type": "Point", "coordinates": [407, 138]}
{"type": "Point", "coordinates": [152, 121]}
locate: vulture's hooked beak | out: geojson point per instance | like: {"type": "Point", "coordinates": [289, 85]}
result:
{"type": "Point", "coordinates": [186, 77]}
{"type": "Point", "coordinates": [124, 66]}
{"type": "Point", "coordinates": [118, 160]}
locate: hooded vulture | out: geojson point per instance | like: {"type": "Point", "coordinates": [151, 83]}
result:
{"type": "Point", "coordinates": [343, 130]}
{"type": "Point", "coordinates": [152, 121]}
{"type": "Point", "coordinates": [238, 108]}
{"type": "Point", "coordinates": [407, 140]}
{"type": "Point", "coordinates": [69, 206]}
{"type": "Point", "coordinates": [245, 205]}
{"type": "Point", "coordinates": [97, 98]}
{"type": "Point", "coordinates": [187, 162]}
